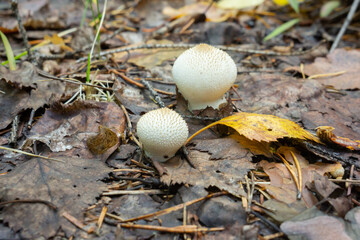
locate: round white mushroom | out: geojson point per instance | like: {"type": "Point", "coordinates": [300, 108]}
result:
{"type": "Point", "coordinates": [203, 74]}
{"type": "Point", "coordinates": [162, 133]}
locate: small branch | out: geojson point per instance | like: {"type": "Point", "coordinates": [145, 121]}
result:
{"type": "Point", "coordinates": [14, 130]}
{"type": "Point", "coordinates": [49, 204]}
{"type": "Point", "coordinates": [347, 21]}
{"type": "Point", "coordinates": [153, 93]}
{"type": "Point", "coordinates": [186, 46]}
{"type": "Point", "coordinates": [15, 9]}
{"type": "Point", "coordinates": [178, 229]}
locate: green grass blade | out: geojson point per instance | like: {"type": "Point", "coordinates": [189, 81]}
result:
{"type": "Point", "coordinates": [9, 52]}
{"type": "Point", "coordinates": [295, 5]}
{"type": "Point", "coordinates": [282, 28]}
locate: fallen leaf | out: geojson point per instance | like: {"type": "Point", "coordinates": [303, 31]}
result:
{"type": "Point", "coordinates": [149, 58]}
{"type": "Point", "coordinates": [281, 211]}
{"type": "Point", "coordinates": [66, 128]}
{"type": "Point", "coordinates": [55, 39]}
{"type": "Point", "coordinates": [103, 141]}
{"type": "Point", "coordinates": [213, 14]}
{"type": "Point", "coordinates": [338, 61]}
{"type": "Point", "coordinates": [25, 89]}
{"type": "Point", "coordinates": [236, 4]}
{"type": "Point", "coordinates": [71, 186]}
{"type": "Point", "coordinates": [325, 133]}
{"type": "Point", "coordinates": [282, 185]}
{"type": "Point", "coordinates": [313, 224]}
{"type": "Point", "coordinates": [225, 172]}
{"type": "Point", "coordinates": [261, 127]}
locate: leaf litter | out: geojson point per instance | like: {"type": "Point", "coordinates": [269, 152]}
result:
{"type": "Point", "coordinates": [274, 117]}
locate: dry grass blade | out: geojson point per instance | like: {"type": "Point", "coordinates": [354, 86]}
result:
{"type": "Point", "coordinates": [298, 168]}
{"type": "Point", "coordinates": [326, 75]}
{"type": "Point", "coordinates": [177, 229]}
{"type": "Point", "coordinates": [140, 85]}
{"type": "Point", "coordinates": [30, 154]}
{"type": "Point", "coordinates": [293, 174]}
{"type": "Point", "coordinates": [101, 218]}
{"type": "Point", "coordinates": [175, 208]}
{"type": "Point", "coordinates": [131, 192]}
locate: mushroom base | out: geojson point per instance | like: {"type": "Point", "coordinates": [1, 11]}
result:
{"type": "Point", "coordinates": [202, 105]}
{"type": "Point", "coordinates": [160, 157]}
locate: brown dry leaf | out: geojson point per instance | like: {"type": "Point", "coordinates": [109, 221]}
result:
{"type": "Point", "coordinates": [71, 186]}
{"type": "Point", "coordinates": [219, 162]}
{"type": "Point", "coordinates": [338, 61]}
{"type": "Point", "coordinates": [214, 13]}
{"type": "Point", "coordinates": [39, 14]}
{"type": "Point", "coordinates": [281, 211]}
{"type": "Point", "coordinates": [55, 39]}
{"type": "Point", "coordinates": [66, 128]}
{"type": "Point", "coordinates": [103, 141]}
{"type": "Point", "coordinates": [25, 89]}
{"type": "Point", "coordinates": [149, 58]}
{"type": "Point", "coordinates": [261, 127]}
{"type": "Point", "coordinates": [282, 185]}
{"type": "Point", "coordinates": [313, 224]}
{"type": "Point", "coordinates": [325, 133]}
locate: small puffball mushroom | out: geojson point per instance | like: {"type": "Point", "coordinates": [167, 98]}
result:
{"type": "Point", "coordinates": [162, 132]}
{"type": "Point", "coordinates": [203, 74]}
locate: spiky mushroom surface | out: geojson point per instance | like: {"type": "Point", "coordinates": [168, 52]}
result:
{"type": "Point", "coordinates": [162, 133]}
{"type": "Point", "coordinates": [203, 74]}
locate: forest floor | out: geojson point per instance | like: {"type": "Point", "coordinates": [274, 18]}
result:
{"type": "Point", "coordinates": [282, 160]}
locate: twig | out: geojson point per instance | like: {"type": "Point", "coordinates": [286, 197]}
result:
{"type": "Point", "coordinates": [14, 129]}
{"type": "Point", "coordinates": [353, 182]}
{"type": "Point", "coordinates": [153, 93]}
{"type": "Point", "coordinates": [30, 154]}
{"type": "Point", "coordinates": [31, 119]}
{"type": "Point", "coordinates": [140, 85]}
{"type": "Point", "coordinates": [101, 218]}
{"type": "Point", "coordinates": [266, 221]}
{"type": "Point", "coordinates": [47, 75]}
{"type": "Point", "coordinates": [130, 192]}
{"type": "Point", "coordinates": [200, 118]}
{"type": "Point", "coordinates": [129, 125]}
{"type": "Point", "coordinates": [185, 46]}
{"type": "Point", "coordinates": [15, 9]}
{"type": "Point", "coordinates": [178, 229]}
{"type": "Point", "coordinates": [49, 204]}
{"type": "Point", "coordinates": [174, 208]}
{"type": "Point", "coordinates": [347, 21]}
{"type": "Point", "coordinates": [152, 181]}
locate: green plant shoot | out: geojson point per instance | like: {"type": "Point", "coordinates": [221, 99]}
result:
{"type": "Point", "coordinates": [9, 52]}
{"type": "Point", "coordinates": [282, 28]}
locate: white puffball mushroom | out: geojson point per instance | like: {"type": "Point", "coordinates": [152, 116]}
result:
{"type": "Point", "coordinates": [162, 133]}
{"type": "Point", "coordinates": [203, 74]}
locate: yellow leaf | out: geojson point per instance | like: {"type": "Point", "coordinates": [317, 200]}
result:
{"type": "Point", "coordinates": [56, 40]}
{"type": "Point", "coordinates": [257, 148]}
{"type": "Point", "coordinates": [283, 2]}
{"type": "Point", "coordinates": [261, 127]}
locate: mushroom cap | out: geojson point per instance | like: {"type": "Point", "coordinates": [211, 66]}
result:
{"type": "Point", "coordinates": [203, 74]}
{"type": "Point", "coordinates": [162, 132]}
